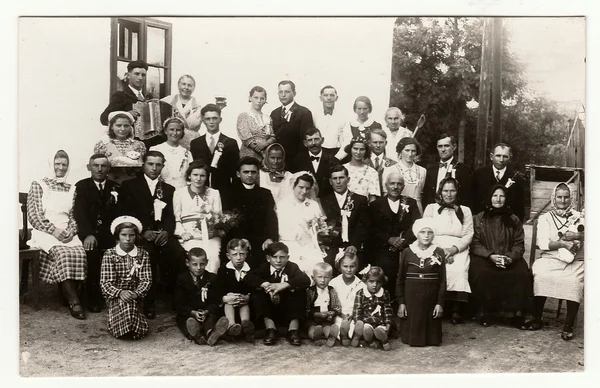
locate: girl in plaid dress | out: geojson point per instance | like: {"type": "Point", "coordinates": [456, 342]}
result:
{"type": "Point", "coordinates": [125, 279]}
{"type": "Point", "coordinates": [372, 310]}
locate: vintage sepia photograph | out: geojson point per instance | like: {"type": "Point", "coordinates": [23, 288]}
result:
{"type": "Point", "coordinates": [277, 196]}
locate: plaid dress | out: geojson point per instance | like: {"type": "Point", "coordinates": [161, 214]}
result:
{"type": "Point", "coordinates": [373, 309]}
{"type": "Point", "coordinates": [125, 272]}
{"type": "Point", "coordinates": [50, 206]}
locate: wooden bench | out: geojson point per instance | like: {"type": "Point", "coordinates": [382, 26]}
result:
{"type": "Point", "coordinates": [28, 256]}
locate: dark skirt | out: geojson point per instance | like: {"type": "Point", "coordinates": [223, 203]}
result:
{"type": "Point", "coordinates": [505, 292]}
{"type": "Point", "coordinates": [419, 328]}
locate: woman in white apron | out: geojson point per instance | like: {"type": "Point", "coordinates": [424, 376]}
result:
{"type": "Point", "coordinates": [49, 208]}
{"type": "Point", "coordinates": [186, 107]}
{"type": "Point", "coordinates": [454, 233]}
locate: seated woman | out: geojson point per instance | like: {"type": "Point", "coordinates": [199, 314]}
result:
{"type": "Point", "coordinates": [453, 234]}
{"type": "Point", "coordinates": [123, 152]}
{"type": "Point", "coordinates": [364, 179]}
{"type": "Point", "coordinates": [558, 273]}
{"type": "Point", "coordinates": [177, 157]}
{"type": "Point", "coordinates": [498, 274]}
{"type": "Point", "coordinates": [50, 212]}
{"type": "Point", "coordinates": [297, 213]}
{"type": "Point", "coordinates": [361, 127]}
{"type": "Point", "coordinates": [187, 109]}
{"type": "Point", "coordinates": [414, 175]}
{"type": "Point", "coordinates": [254, 127]}
{"type": "Point", "coordinates": [273, 175]}
{"type": "Point", "coordinates": [194, 206]}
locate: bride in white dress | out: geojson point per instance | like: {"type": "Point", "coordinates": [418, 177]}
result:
{"type": "Point", "coordinates": [297, 212]}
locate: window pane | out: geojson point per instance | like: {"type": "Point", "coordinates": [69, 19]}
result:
{"type": "Point", "coordinates": [127, 40]}
{"type": "Point", "coordinates": [155, 82]}
{"type": "Point", "coordinates": [156, 46]}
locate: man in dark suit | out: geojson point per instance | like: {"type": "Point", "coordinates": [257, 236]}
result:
{"type": "Point", "coordinates": [390, 231]}
{"type": "Point", "coordinates": [290, 121]}
{"type": "Point", "coordinates": [150, 200]}
{"type": "Point", "coordinates": [315, 161]}
{"type": "Point", "coordinates": [447, 166]}
{"type": "Point", "coordinates": [378, 159]}
{"type": "Point", "coordinates": [499, 173]}
{"type": "Point", "coordinates": [256, 206]}
{"type": "Point", "coordinates": [343, 204]}
{"type": "Point", "coordinates": [96, 206]}
{"type": "Point", "coordinates": [218, 151]}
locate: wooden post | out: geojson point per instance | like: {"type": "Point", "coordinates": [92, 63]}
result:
{"type": "Point", "coordinates": [497, 80]}
{"type": "Point", "coordinates": [484, 95]}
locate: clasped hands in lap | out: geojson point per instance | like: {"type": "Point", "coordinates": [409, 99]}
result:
{"type": "Point", "coordinates": [63, 236]}
{"type": "Point", "coordinates": [160, 238]}
{"type": "Point", "coordinates": [236, 300]}
{"type": "Point", "coordinates": [273, 290]}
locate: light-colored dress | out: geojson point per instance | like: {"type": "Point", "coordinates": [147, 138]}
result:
{"type": "Point", "coordinates": [414, 180]}
{"type": "Point", "coordinates": [189, 209]}
{"type": "Point", "coordinates": [255, 132]}
{"type": "Point", "coordinates": [190, 114]}
{"type": "Point", "coordinates": [449, 231]}
{"type": "Point", "coordinates": [50, 206]}
{"type": "Point", "coordinates": [276, 188]}
{"type": "Point", "coordinates": [295, 219]}
{"type": "Point", "coordinates": [553, 276]}
{"type": "Point", "coordinates": [124, 156]}
{"type": "Point", "coordinates": [364, 180]}
{"type": "Point", "coordinates": [177, 160]}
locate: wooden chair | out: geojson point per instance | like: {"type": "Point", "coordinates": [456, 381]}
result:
{"type": "Point", "coordinates": [534, 248]}
{"type": "Point", "coordinates": [28, 256]}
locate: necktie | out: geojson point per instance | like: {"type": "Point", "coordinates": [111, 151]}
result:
{"type": "Point", "coordinates": [101, 185]}
{"type": "Point", "coordinates": [497, 176]}
{"type": "Point", "coordinates": [140, 96]}
{"type": "Point", "coordinates": [376, 162]}
{"type": "Point", "coordinates": [315, 158]}
{"type": "Point", "coordinates": [212, 144]}
{"type": "Point", "coordinates": [443, 165]}
{"type": "Point", "coordinates": [277, 275]}
{"type": "Point", "coordinates": [283, 112]}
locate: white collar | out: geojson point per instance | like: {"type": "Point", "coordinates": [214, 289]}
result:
{"type": "Point", "coordinates": [381, 157]}
{"type": "Point", "coordinates": [341, 196]}
{"type": "Point", "coordinates": [273, 269]}
{"type": "Point", "coordinates": [321, 291]}
{"type": "Point", "coordinates": [151, 182]}
{"type": "Point", "coordinates": [449, 161]}
{"type": "Point", "coordinates": [422, 254]}
{"type": "Point", "coordinates": [249, 187]}
{"type": "Point", "coordinates": [100, 183]}
{"type": "Point", "coordinates": [245, 267]}
{"type": "Point", "coordinates": [320, 154]}
{"type": "Point", "coordinates": [367, 123]}
{"type": "Point", "coordinates": [500, 171]}
{"type": "Point", "coordinates": [216, 135]}
{"type": "Point", "coordinates": [121, 252]}
{"type": "Point", "coordinates": [288, 106]}
{"type": "Point", "coordinates": [135, 91]}
{"type": "Point", "coordinates": [378, 294]}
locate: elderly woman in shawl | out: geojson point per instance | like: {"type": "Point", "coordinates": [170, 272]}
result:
{"type": "Point", "coordinates": [273, 175]}
{"type": "Point", "coordinates": [50, 211]}
{"type": "Point", "coordinates": [186, 108]}
{"type": "Point", "coordinates": [558, 273]}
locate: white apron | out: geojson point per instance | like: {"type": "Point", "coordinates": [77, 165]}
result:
{"type": "Point", "coordinates": [457, 273]}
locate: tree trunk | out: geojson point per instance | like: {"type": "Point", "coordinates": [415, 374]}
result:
{"type": "Point", "coordinates": [461, 132]}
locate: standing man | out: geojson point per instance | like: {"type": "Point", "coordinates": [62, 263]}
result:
{"type": "Point", "coordinates": [393, 118]}
{"type": "Point", "coordinates": [315, 160]}
{"type": "Point", "coordinates": [379, 159]}
{"type": "Point", "coordinates": [96, 206]}
{"type": "Point", "coordinates": [218, 151]}
{"type": "Point", "coordinates": [348, 212]}
{"type": "Point", "coordinates": [150, 200]}
{"type": "Point", "coordinates": [329, 121]}
{"type": "Point", "coordinates": [290, 120]}
{"type": "Point", "coordinates": [499, 173]}
{"type": "Point", "coordinates": [256, 206]}
{"type": "Point", "coordinates": [447, 166]}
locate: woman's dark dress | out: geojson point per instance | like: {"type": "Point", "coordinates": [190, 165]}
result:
{"type": "Point", "coordinates": [420, 288]}
{"type": "Point", "coordinates": [503, 291]}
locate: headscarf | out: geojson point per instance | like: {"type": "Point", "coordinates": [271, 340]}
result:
{"type": "Point", "coordinates": [423, 223]}
{"type": "Point", "coordinates": [440, 200]}
{"type": "Point", "coordinates": [276, 175]}
{"type": "Point", "coordinates": [505, 212]}
{"type": "Point", "coordinates": [561, 212]}
{"type": "Point", "coordinates": [51, 177]}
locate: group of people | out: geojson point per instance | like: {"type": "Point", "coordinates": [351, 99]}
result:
{"type": "Point", "coordinates": [314, 226]}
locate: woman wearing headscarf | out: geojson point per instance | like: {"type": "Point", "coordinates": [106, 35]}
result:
{"type": "Point", "coordinates": [272, 174]}
{"type": "Point", "coordinates": [558, 273]}
{"type": "Point", "coordinates": [498, 274]}
{"type": "Point", "coordinates": [50, 211]}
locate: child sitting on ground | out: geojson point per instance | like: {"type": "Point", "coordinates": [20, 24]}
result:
{"type": "Point", "coordinates": [197, 303]}
{"type": "Point", "coordinates": [282, 298]}
{"type": "Point", "coordinates": [346, 285]}
{"type": "Point", "coordinates": [233, 292]}
{"type": "Point", "coordinates": [372, 310]}
{"type": "Point", "coordinates": [322, 306]}
{"type": "Point", "coordinates": [125, 278]}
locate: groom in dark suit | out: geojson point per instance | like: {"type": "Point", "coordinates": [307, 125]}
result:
{"type": "Point", "coordinates": [290, 121]}
{"type": "Point", "coordinates": [218, 151]}
{"type": "Point", "coordinates": [315, 161]}
{"type": "Point", "coordinates": [96, 206]}
{"type": "Point", "coordinates": [499, 173]}
{"type": "Point", "coordinates": [150, 200]}
{"type": "Point", "coordinates": [342, 203]}
{"type": "Point", "coordinates": [447, 166]}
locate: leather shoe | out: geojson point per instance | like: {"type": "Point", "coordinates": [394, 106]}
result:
{"type": "Point", "coordinates": [270, 337]}
{"type": "Point", "coordinates": [149, 310]}
{"type": "Point", "coordinates": [294, 338]}
{"type": "Point", "coordinates": [76, 311]}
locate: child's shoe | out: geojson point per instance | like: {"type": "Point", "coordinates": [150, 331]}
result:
{"type": "Point", "coordinates": [293, 338]}
{"type": "Point", "coordinates": [368, 333]}
{"type": "Point", "coordinates": [344, 329]}
{"type": "Point", "coordinates": [270, 337]}
{"type": "Point", "coordinates": [248, 330]}
{"type": "Point", "coordinates": [333, 333]}
{"type": "Point", "coordinates": [234, 330]}
{"type": "Point", "coordinates": [386, 346]}
{"type": "Point", "coordinates": [381, 334]}
{"type": "Point", "coordinates": [218, 331]}
{"type": "Point", "coordinates": [358, 333]}
{"type": "Point", "coordinates": [193, 327]}
{"type": "Point", "coordinates": [318, 335]}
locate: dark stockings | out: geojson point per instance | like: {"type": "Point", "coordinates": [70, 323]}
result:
{"type": "Point", "coordinates": [69, 289]}
{"type": "Point", "coordinates": [572, 310]}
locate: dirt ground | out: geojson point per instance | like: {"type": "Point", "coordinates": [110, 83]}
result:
{"type": "Point", "coordinates": [54, 344]}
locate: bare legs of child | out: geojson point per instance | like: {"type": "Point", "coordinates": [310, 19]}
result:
{"type": "Point", "coordinates": [323, 334]}
{"type": "Point", "coordinates": [235, 329]}
{"type": "Point", "coordinates": [372, 335]}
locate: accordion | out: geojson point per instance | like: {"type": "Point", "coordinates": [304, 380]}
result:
{"type": "Point", "coordinates": [148, 123]}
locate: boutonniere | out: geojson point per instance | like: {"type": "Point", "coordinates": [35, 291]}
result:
{"type": "Point", "coordinates": [387, 163]}
{"type": "Point", "coordinates": [306, 203]}
{"type": "Point", "coordinates": [133, 155]}
{"type": "Point", "coordinates": [220, 147]}
{"type": "Point", "coordinates": [204, 292]}
{"type": "Point", "coordinates": [405, 207]}
{"type": "Point", "coordinates": [435, 259]}
{"type": "Point", "coordinates": [158, 208]}
{"type": "Point", "coordinates": [349, 203]}
{"type": "Point", "coordinates": [137, 265]}
{"type": "Point", "coordinates": [284, 278]}
{"type": "Point", "coordinates": [217, 154]}
{"type": "Point", "coordinates": [509, 183]}
{"type": "Point", "coordinates": [159, 191]}
{"type": "Point", "coordinates": [377, 310]}
{"type": "Point", "coordinates": [114, 195]}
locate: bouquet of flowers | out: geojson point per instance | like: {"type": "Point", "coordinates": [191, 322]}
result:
{"type": "Point", "coordinates": [218, 224]}
{"type": "Point", "coordinates": [327, 233]}
{"type": "Point", "coordinates": [575, 224]}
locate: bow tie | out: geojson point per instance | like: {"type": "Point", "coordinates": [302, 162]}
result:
{"type": "Point", "coordinates": [328, 112]}
{"type": "Point", "coordinates": [443, 165]}
{"type": "Point", "coordinates": [315, 158]}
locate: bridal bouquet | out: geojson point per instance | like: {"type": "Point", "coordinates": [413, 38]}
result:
{"type": "Point", "coordinates": [216, 224]}
{"type": "Point", "coordinates": [326, 233]}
